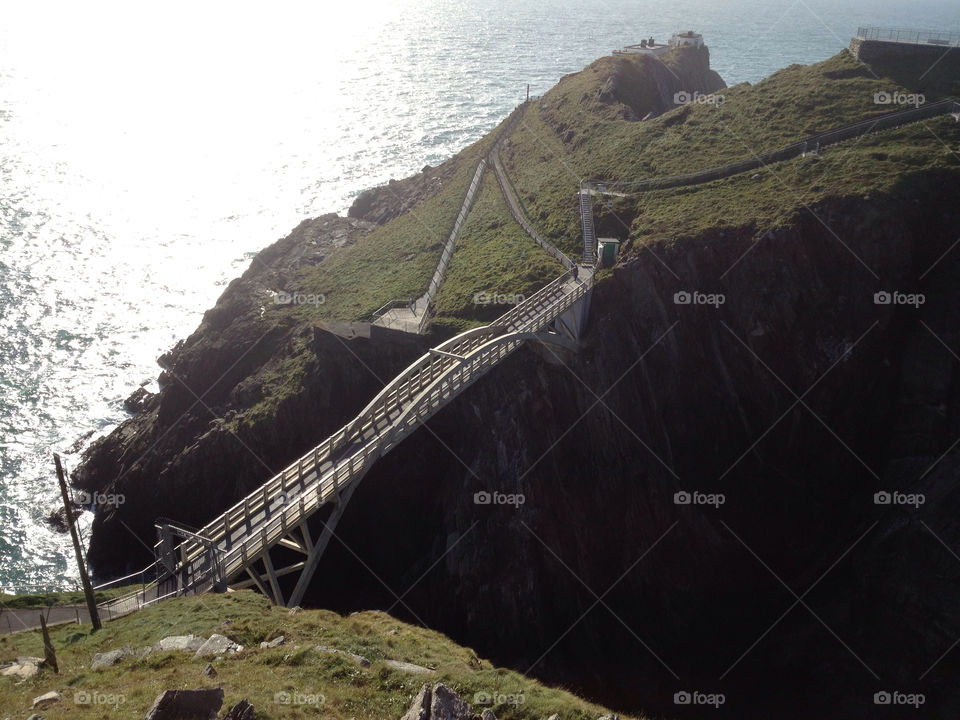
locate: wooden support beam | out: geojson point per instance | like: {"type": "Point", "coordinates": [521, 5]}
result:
{"type": "Point", "coordinates": [293, 545]}
{"type": "Point", "coordinates": [256, 580]}
{"type": "Point", "coordinates": [272, 575]}
{"type": "Point", "coordinates": [243, 584]}
{"type": "Point", "coordinates": [313, 559]}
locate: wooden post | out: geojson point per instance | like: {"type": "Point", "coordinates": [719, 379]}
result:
{"type": "Point", "coordinates": [81, 563]}
{"type": "Point", "coordinates": [49, 655]}
{"type": "Point", "coordinates": [528, 92]}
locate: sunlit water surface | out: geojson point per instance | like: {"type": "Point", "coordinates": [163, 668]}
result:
{"type": "Point", "coordinates": [146, 152]}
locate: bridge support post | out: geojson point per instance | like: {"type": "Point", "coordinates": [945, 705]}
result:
{"type": "Point", "coordinates": [313, 557]}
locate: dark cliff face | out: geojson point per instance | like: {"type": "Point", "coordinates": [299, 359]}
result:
{"type": "Point", "coordinates": [797, 399]}
{"type": "Point", "coordinates": [221, 424]}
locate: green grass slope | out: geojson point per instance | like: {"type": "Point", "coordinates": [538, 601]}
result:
{"type": "Point", "coordinates": [348, 690]}
{"type": "Point", "coordinates": [546, 165]}
{"type": "Point", "coordinates": [495, 261]}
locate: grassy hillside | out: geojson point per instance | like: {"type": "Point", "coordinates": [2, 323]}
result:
{"type": "Point", "coordinates": [494, 257]}
{"type": "Point", "coordinates": [790, 104]}
{"type": "Point", "coordinates": [378, 692]}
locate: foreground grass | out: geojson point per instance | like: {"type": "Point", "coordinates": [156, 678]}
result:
{"type": "Point", "coordinates": [348, 690]}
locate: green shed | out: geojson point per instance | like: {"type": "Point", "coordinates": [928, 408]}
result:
{"type": "Point", "coordinates": [607, 249]}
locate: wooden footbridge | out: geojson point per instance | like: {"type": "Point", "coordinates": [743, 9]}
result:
{"type": "Point", "coordinates": [234, 550]}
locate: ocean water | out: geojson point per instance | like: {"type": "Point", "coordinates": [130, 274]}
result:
{"type": "Point", "coordinates": [146, 152]}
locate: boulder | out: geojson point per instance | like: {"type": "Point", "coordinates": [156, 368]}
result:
{"type": "Point", "coordinates": [107, 659]}
{"type": "Point", "coordinates": [23, 668]}
{"type": "Point", "coordinates": [276, 642]}
{"type": "Point", "coordinates": [217, 645]}
{"type": "Point", "coordinates": [420, 707]}
{"type": "Point", "coordinates": [446, 704]}
{"type": "Point", "coordinates": [441, 703]}
{"type": "Point", "coordinates": [243, 710]}
{"type": "Point", "coordinates": [186, 643]}
{"type": "Point", "coordinates": [46, 700]}
{"type": "Point", "coordinates": [408, 667]}
{"type": "Point", "coordinates": [198, 704]}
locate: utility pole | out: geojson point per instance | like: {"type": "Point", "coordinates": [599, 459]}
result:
{"type": "Point", "coordinates": [528, 92]}
{"type": "Point", "coordinates": [81, 563]}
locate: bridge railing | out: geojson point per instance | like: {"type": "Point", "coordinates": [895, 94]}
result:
{"type": "Point", "coordinates": [910, 36]}
{"type": "Point", "coordinates": [446, 381]}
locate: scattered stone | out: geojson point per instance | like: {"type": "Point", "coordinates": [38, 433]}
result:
{"type": "Point", "coordinates": [187, 643]}
{"type": "Point", "coordinates": [488, 714]}
{"type": "Point", "coordinates": [108, 659]}
{"type": "Point", "coordinates": [359, 659]}
{"type": "Point", "coordinates": [24, 668]}
{"type": "Point", "coordinates": [755, 176]}
{"type": "Point", "coordinates": [420, 708]}
{"type": "Point", "coordinates": [294, 610]}
{"type": "Point", "coordinates": [243, 710]}
{"type": "Point", "coordinates": [614, 716]}
{"type": "Point", "coordinates": [218, 645]}
{"type": "Point", "coordinates": [446, 704]}
{"type": "Point", "coordinates": [408, 667]}
{"type": "Point", "coordinates": [276, 642]}
{"type": "Point", "coordinates": [35, 716]}
{"type": "Point", "coordinates": [46, 700]}
{"type": "Point", "coordinates": [198, 704]}
{"type": "Point", "coordinates": [226, 623]}
{"type": "Point", "coordinates": [554, 717]}
{"type": "Point", "coordinates": [394, 631]}
{"type": "Point", "coordinates": [210, 670]}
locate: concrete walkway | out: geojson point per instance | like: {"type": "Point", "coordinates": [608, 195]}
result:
{"type": "Point", "coordinates": [14, 620]}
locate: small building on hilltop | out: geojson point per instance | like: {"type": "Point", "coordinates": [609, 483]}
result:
{"type": "Point", "coordinates": [650, 46]}
{"type": "Point", "coordinates": [687, 38]}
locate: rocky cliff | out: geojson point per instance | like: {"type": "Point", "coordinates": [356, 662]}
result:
{"type": "Point", "coordinates": [781, 408]}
